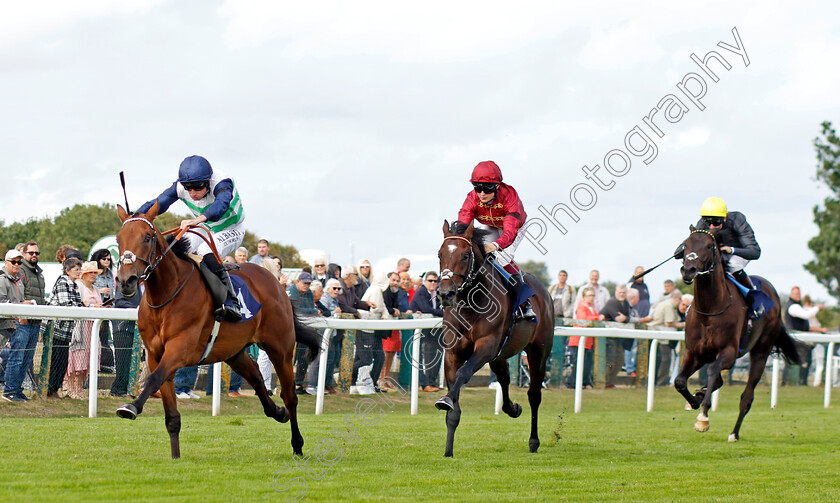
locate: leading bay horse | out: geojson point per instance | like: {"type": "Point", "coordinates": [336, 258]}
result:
{"type": "Point", "coordinates": [176, 319]}
{"type": "Point", "coordinates": [477, 328]}
{"type": "Point", "coordinates": [716, 328]}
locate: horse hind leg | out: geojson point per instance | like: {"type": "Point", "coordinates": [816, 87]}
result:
{"type": "Point", "coordinates": [502, 371]}
{"type": "Point", "coordinates": [757, 364]}
{"type": "Point", "coordinates": [286, 377]}
{"type": "Point", "coordinates": [243, 365]}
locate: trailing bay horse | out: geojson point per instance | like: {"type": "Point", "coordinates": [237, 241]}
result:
{"type": "Point", "coordinates": [477, 328]}
{"type": "Point", "coordinates": [176, 319]}
{"type": "Point", "coordinates": [716, 330]}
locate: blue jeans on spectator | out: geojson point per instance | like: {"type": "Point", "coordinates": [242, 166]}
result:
{"type": "Point", "coordinates": [235, 381]}
{"type": "Point", "coordinates": [185, 379]}
{"type": "Point", "coordinates": [22, 351]}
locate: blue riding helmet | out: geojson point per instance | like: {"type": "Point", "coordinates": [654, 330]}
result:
{"type": "Point", "coordinates": [194, 169]}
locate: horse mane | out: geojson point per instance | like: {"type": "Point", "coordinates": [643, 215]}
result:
{"type": "Point", "coordinates": [478, 236]}
{"type": "Point", "coordinates": [181, 248]}
{"type": "Point", "coordinates": [725, 236]}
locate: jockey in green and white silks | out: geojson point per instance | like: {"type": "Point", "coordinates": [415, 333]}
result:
{"type": "Point", "coordinates": [212, 198]}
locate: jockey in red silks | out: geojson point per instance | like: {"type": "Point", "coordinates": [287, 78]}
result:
{"type": "Point", "coordinates": [497, 208]}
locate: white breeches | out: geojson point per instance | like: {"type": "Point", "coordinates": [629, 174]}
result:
{"type": "Point", "coordinates": [736, 263]}
{"type": "Point", "coordinates": [504, 256]}
{"type": "Point", "coordinates": [227, 240]}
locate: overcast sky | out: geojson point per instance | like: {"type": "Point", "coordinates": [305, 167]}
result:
{"type": "Point", "coordinates": [360, 122]}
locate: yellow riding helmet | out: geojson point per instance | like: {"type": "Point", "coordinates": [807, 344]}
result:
{"type": "Point", "coordinates": [713, 207]}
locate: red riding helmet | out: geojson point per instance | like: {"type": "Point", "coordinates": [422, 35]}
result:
{"type": "Point", "coordinates": [486, 171]}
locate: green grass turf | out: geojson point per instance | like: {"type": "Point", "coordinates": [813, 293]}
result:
{"type": "Point", "coordinates": [612, 451]}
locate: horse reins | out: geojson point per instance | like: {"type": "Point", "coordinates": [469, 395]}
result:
{"type": "Point", "coordinates": [129, 258]}
{"type": "Point", "coordinates": [693, 256]}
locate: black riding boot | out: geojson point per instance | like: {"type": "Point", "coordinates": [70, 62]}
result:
{"type": "Point", "coordinates": [230, 313]}
{"type": "Point", "coordinates": [743, 278]}
{"type": "Point", "coordinates": [524, 311]}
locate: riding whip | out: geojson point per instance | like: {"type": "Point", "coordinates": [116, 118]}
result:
{"type": "Point", "coordinates": [637, 276]}
{"type": "Point", "coordinates": [122, 182]}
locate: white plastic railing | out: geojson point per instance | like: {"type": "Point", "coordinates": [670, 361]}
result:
{"type": "Point", "coordinates": [616, 330]}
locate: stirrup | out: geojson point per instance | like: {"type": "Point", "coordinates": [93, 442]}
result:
{"type": "Point", "coordinates": [229, 312]}
{"type": "Point", "coordinates": [525, 312]}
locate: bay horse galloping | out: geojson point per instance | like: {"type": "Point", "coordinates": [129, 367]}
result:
{"type": "Point", "coordinates": [176, 319]}
{"type": "Point", "coordinates": [477, 328]}
{"type": "Point", "coordinates": [716, 328]}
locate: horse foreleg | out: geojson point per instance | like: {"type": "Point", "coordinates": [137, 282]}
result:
{"type": "Point", "coordinates": [502, 371]}
{"type": "Point", "coordinates": [725, 360]}
{"type": "Point", "coordinates": [449, 402]}
{"type": "Point", "coordinates": [172, 418]}
{"type": "Point", "coordinates": [691, 363]}
{"type": "Point", "coordinates": [757, 364]}
{"type": "Point", "coordinates": [536, 360]}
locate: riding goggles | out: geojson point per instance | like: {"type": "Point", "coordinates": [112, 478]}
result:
{"type": "Point", "coordinates": [195, 185]}
{"type": "Point", "coordinates": [485, 187]}
{"type": "Point", "coordinates": [716, 221]}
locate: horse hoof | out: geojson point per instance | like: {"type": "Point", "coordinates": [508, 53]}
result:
{"type": "Point", "coordinates": [733, 437]}
{"type": "Point", "coordinates": [127, 411]}
{"type": "Point", "coordinates": [515, 411]}
{"type": "Point", "coordinates": [445, 403]}
{"type": "Point", "coordinates": [701, 426]}
{"type": "Point", "coordinates": [534, 444]}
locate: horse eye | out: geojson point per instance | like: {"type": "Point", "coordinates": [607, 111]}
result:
{"type": "Point", "coordinates": [148, 238]}
{"type": "Point", "coordinates": [464, 258]}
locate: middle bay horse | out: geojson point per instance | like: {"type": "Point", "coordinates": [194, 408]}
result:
{"type": "Point", "coordinates": [478, 329]}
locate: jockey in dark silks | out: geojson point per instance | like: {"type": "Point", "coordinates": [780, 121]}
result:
{"type": "Point", "coordinates": [212, 198]}
{"type": "Point", "coordinates": [737, 247]}
{"type": "Point", "coordinates": [497, 208]}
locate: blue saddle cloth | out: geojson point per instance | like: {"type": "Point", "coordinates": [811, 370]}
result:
{"type": "Point", "coordinates": [525, 293]}
{"type": "Point", "coordinates": [248, 305]}
{"type": "Point", "coordinates": [757, 296]}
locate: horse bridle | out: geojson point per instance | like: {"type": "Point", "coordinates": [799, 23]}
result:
{"type": "Point", "coordinates": [468, 278]}
{"type": "Point", "coordinates": [693, 256]}
{"type": "Point", "coordinates": [130, 258]}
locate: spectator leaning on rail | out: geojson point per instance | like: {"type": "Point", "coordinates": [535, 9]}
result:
{"type": "Point", "coordinates": [586, 310]}
{"type": "Point", "coordinates": [497, 207]}
{"type": "Point", "coordinates": [617, 309]}
{"type": "Point", "coordinates": [329, 307]}
{"type": "Point", "coordinates": [22, 341]}
{"type": "Point", "coordinates": [665, 314]}
{"type": "Point", "coordinates": [797, 317]}
{"type": "Point", "coordinates": [396, 302]}
{"type": "Point", "coordinates": [602, 295]}
{"type": "Point", "coordinates": [34, 288]}
{"type": "Point", "coordinates": [65, 292]}
{"type": "Point", "coordinates": [425, 301]}
{"type": "Point", "coordinates": [106, 285]}
{"type": "Point", "coordinates": [212, 198]}
{"type": "Point", "coordinates": [369, 343]}
{"type": "Point", "coordinates": [365, 277]}
{"type": "Point", "coordinates": [737, 246]}
{"type": "Point", "coordinates": [303, 302]}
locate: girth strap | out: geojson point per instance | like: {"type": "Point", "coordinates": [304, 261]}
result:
{"type": "Point", "coordinates": [212, 341]}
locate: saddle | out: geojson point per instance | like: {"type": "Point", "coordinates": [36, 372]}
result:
{"type": "Point", "coordinates": [248, 305]}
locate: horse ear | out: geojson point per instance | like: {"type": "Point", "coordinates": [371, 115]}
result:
{"type": "Point", "coordinates": [446, 232]}
{"type": "Point", "coordinates": [469, 232]}
{"type": "Point", "coordinates": [692, 228]}
{"type": "Point", "coordinates": [153, 211]}
{"type": "Point", "coordinates": [122, 213]}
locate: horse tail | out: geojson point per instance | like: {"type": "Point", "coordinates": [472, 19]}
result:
{"type": "Point", "coordinates": [307, 336]}
{"type": "Point", "coordinates": [787, 347]}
